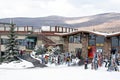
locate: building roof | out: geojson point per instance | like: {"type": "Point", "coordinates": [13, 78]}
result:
{"type": "Point", "coordinates": [93, 32]}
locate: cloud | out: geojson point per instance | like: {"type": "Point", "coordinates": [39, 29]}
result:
{"type": "Point", "coordinates": [115, 2]}
{"type": "Point", "coordinates": [38, 8]}
{"type": "Point", "coordinates": [34, 8]}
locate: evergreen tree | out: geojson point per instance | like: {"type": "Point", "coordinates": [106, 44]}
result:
{"type": "Point", "coordinates": [11, 51]}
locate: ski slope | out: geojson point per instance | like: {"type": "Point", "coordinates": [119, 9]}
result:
{"type": "Point", "coordinates": [62, 72]}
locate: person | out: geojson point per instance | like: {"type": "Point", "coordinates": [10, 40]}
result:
{"type": "Point", "coordinates": [86, 63]}
{"type": "Point", "coordinates": [43, 59]}
{"type": "Point", "coordinates": [95, 61]}
{"type": "Point", "coordinates": [117, 59]}
{"type": "Point", "coordinates": [92, 64]}
{"type": "Point", "coordinates": [106, 62]}
{"type": "Point", "coordinates": [59, 58]}
{"type": "Point", "coordinates": [46, 59]}
{"type": "Point", "coordinates": [112, 64]}
{"type": "Point", "coordinates": [68, 59]}
{"type": "Point", "coordinates": [96, 64]}
{"type": "Point", "coordinates": [21, 53]}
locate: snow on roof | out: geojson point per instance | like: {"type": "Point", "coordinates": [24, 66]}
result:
{"type": "Point", "coordinates": [61, 33]}
{"type": "Point", "coordinates": [105, 34]}
{"type": "Point", "coordinates": [98, 33]}
{"type": "Point", "coordinates": [115, 33]}
{"type": "Point", "coordinates": [88, 31]}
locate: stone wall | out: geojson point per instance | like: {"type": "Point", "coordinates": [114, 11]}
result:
{"type": "Point", "coordinates": [73, 46]}
{"type": "Point", "coordinates": [84, 41]}
{"type": "Point", "coordinates": [107, 46]}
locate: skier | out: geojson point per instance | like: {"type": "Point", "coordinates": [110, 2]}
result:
{"type": "Point", "coordinates": [59, 59]}
{"type": "Point", "coordinates": [112, 63]}
{"type": "Point", "coordinates": [43, 59]}
{"type": "Point", "coordinates": [68, 59]}
{"type": "Point", "coordinates": [106, 62]}
{"type": "Point", "coordinates": [117, 59]}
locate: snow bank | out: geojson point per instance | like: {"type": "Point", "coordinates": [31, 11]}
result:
{"type": "Point", "coordinates": [16, 65]}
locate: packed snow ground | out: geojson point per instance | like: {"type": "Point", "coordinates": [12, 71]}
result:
{"type": "Point", "coordinates": [62, 72]}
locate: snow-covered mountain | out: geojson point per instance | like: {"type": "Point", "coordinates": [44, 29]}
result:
{"type": "Point", "coordinates": [108, 22]}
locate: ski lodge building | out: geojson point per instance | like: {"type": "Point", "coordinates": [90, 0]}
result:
{"type": "Point", "coordinates": [68, 39]}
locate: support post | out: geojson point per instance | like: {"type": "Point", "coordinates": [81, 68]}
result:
{"type": "Point", "coordinates": [0, 50]}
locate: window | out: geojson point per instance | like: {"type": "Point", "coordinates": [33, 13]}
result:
{"type": "Point", "coordinates": [30, 43]}
{"type": "Point", "coordinates": [71, 39]}
{"type": "Point", "coordinates": [4, 41]}
{"type": "Point", "coordinates": [100, 39]}
{"type": "Point", "coordinates": [91, 36]}
{"type": "Point", "coordinates": [77, 38]}
{"type": "Point", "coordinates": [114, 41]}
{"type": "Point", "coordinates": [18, 41]}
{"type": "Point", "coordinates": [91, 42]}
{"type": "Point", "coordinates": [119, 40]}
{"type": "Point", "coordinates": [21, 42]}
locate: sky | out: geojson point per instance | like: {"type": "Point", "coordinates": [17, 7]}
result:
{"type": "Point", "coordinates": [66, 8]}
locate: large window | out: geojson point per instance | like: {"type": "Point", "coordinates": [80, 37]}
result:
{"type": "Point", "coordinates": [21, 42]}
{"type": "Point", "coordinates": [4, 41]}
{"type": "Point", "coordinates": [71, 39]}
{"type": "Point", "coordinates": [100, 39]}
{"type": "Point", "coordinates": [74, 39]}
{"type": "Point", "coordinates": [77, 38]}
{"type": "Point", "coordinates": [92, 36]}
{"type": "Point", "coordinates": [91, 42]}
{"type": "Point", "coordinates": [91, 39]}
{"type": "Point", "coordinates": [115, 41]}
{"type": "Point", "coordinates": [96, 40]}
{"type": "Point", "coordinates": [119, 41]}
{"type": "Point", "coordinates": [30, 42]}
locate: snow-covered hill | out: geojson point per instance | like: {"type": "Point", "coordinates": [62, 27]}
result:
{"type": "Point", "coordinates": [106, 22]}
